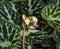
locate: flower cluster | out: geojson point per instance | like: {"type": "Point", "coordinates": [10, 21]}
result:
{"type": "Point", "coordinates": [29, 22]}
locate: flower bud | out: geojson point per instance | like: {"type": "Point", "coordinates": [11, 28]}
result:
{"type": "Point", "coordinates": [23, 16]}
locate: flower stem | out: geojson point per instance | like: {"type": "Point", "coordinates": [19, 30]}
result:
{"type": "Point", "coordinates": [24, 37]}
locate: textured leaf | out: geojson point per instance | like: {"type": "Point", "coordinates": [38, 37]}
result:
{"type": "Point", "coordinates": [9, 11]}
{"type": "Point", "coordinates": [57, 2]}
{"type": "Point", "coordinates": [3, 1]}
{"type": "Point", "coordinates": [30, 31]}
{"type": "Point", "coordinates": [51, 13]}
{"type": "Point", "coordinates": [32, 6]}
{"type": "Point", "coordinates": [15, 0]}
{"type": "Point", "coordinates": [58, 46]}
{"type": "Point", "coordinates": [56, 34]}
{"type": "Point", "coordinates": [9, 34]}
{"type": "Point", "coordinates": [35, 37]}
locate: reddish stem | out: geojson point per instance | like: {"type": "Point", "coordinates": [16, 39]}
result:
{"type": "Point", "coordinates": [24, 38]}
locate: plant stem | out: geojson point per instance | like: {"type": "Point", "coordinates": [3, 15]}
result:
{"type": "Point", "coordinates": [24, 37]}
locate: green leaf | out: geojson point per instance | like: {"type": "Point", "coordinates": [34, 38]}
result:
{"type": "Point", "coordinates": [31, 7]}
{"type": "Point", "coordinates": [5, 44]}
{"type": "Point", "coordinates": [30, 31]}
{"type": "Point", "coordinates": [14, 48]}
{"type": "Point", "coordinates": [58, 46]}
{"type": "Point", "coordinates": [9, 34]}
{"type": "Point", "coordinates": [56, 34]}
{"type": "Point", "coordinates": [9, 11]}
{"type": "Point", "coordinates": [3, 1]}
{"type": "Point", "coordinates": [35, 37]}
{"type": "Point", "coordinates": [51, 13]}
{"type": "Point", "coordinates": [57, 2]}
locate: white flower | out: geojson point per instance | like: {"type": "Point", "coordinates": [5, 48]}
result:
{"type": "Point", "coordinates": [30, 22]}
{"type": "Point", "coordinates": [27, 21]}
{"type": "Point", "coordinates": [34, 24]}
{"type": "Point", "coordinates": [35, 20]}
{"type": "Point", "coordinates": [32, 27]}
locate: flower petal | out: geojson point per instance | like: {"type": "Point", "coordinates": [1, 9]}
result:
{"type": "Point", "coordinates": [27, 21]}
{"type": "Point", "coordinates": [32, 27]}
{"type": "Point", "coordinates": [35, 20]}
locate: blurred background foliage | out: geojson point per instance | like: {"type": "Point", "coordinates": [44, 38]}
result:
{"type": "Point", "coordinates": [11, 21]}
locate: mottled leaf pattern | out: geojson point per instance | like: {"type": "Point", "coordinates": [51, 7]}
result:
{"type": "Point", "coordinates": [57, 2]}
{"type": "Point", "coordinates": [56, 34]}
{"type": "Point", "coordinates": [10, 22]}
{"type": "Point", "coordinates": [34, 38]}
{"type": "Point", "coordinates": [51, 13]}
{"type": "Point", "coordinates": [3, 1]}
{"type": "Point", "coordinates": [32, 6]}
{"type": "Point", "coordinates": [10, 33]}
{"type": "Point", "coordinates": [9, 11]}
